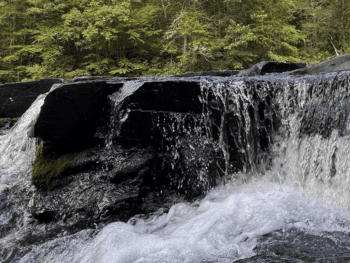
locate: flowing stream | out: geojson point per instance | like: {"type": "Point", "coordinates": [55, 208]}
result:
{"type": "Point", "coordinates": [305, 188]}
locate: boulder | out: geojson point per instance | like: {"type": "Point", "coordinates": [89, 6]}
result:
{"type": "Point", "coordinates": [278, 67]}
{"type": "Point", "coordinates": [271, 247]}
{"type": "Point", "coordinates": [16, 98]}
{"type": "Point", "coordinates": [337, 64]}
{"type": "Point", "coordinates": [265, 67]}
{"type": "Point", "coordinates": [70, 111]}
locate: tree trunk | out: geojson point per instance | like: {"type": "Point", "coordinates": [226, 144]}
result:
{"type": "Point", "coordinates": [185, 43]}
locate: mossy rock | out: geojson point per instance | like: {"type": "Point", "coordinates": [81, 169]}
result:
{"type": "Point", "coordinates": [47, 171]}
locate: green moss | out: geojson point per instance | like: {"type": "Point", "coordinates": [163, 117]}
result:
{"type": "Point", "coordinates": [1, 120]}
{"type": "Point", "coordinates": [47, 171]}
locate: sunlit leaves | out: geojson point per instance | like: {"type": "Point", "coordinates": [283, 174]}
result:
{"type": "Point", "coordinates": [66, 38]}
{"type": "Point", "coordinates": [73, 16]}
{"type": "Point", "coordinates": [36, 71]}
{"type": "Point", "coordinates": [190, 24]}
{"type": "Point", "coordinates": [239, 35]}
{"type": "Point", "coordinates": [11, 58]}
{"type": "Point", "coordinates": [90, 32]}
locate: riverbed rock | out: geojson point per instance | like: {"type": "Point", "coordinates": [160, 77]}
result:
{"type": "Point", "coordinates": [16, 98]}
{"type": "Point", "coordinates": [110, 149]}
{"type": "Point", "coordinates": [219, 73]}
{"type": "Point", "coordinates": [337, 64]}
{"type": "Point", "coordinates": [265, 67]}
{"type": "Point", "coordinates": [71, 111]}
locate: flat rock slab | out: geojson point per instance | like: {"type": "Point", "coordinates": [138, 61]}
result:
{"type": "Point", "coordinates": [219, 73]}
{"type": "Point", "coordinates": [265, 67]}
{"type": "Point", "coordinates": [294, 245]}
{"type": "Point", "coordinates": [71, 110]}
{"type": "Point", "coordinates": [337, 64]}
{"type": "Point", "coordinates": [16, 98]}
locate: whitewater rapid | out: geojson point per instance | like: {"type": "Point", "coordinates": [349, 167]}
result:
{"type": "Point", "coordinates": [224, 227]}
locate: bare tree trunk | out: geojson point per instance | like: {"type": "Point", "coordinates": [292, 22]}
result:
{"type": "Point", "coordinates": [185, 43]}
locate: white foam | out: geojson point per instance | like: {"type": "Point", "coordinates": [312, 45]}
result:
{"type": "Point", "coordinates": [223, 228]}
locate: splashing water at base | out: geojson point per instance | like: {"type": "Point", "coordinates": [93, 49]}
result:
{"type": "Point", "coordinates": [224, 227]}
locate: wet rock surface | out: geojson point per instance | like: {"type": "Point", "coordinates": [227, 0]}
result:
{"type": "Point", "coordinates": [219, 73]}
{"type": "Point", "coordinates": [337, 64]}
{"type": "Point", "coordinates": [265, 67]}
{"type": "Point", "coordinates": [71, 111]}
{"type": "Point", "coordinates": [16, 98]}
{"type": "Point", "coordinates": [295, 245]}
{"type": "Point", "coordinates": [132, 149]}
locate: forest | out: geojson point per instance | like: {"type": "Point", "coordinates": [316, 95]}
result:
{"type": "Point", "coordinates": [67, 38]}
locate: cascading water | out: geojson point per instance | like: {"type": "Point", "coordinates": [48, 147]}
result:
{"type": "Point", "coordinates": [16, 148]}
{"type": "Point", "coordinates": [300, 181]}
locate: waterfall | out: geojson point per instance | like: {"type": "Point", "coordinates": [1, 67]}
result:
{"type": "Point", "coordinates": [315, 156]}
{"type": "Point", "coordinates": [17, 150]}
{"type": "Point", "coordinates": [288, 136]}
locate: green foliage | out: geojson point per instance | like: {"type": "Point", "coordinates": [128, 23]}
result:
{"type": "Point", "coordinates": [35, 72]}
{"type": "Point", "coordinates": [68, 38]}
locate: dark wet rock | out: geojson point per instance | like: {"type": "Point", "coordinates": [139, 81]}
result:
{"type": "Point", "coordinates": [71, 111]}
{"type": "Point", "coordinates": [265, 67]}
{"type": "Point", "coordinates": [103, 192]}
{"type": "Point", "coordinates": [219, 73]}
{"type": "Point", "coordinates": [253, 71]}
{"type": "Point", "coordinates": [322, 105]}
{"type": "Point", "coordinates": [107, 79]}
{"type": "Point", "coordinates": [278, 67]}
{"type": "Point", "coordinates": [112, 149]}
{"type": "Point", "coordinates": [89, 78]}
{"type": "Point", "coordinates": [294, 245]}
{"type": "Point", "coordinates": [337, 64]}
{"type": "Point", "coordinates": [16, 98]}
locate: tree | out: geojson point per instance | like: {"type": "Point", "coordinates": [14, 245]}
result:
{"type": "Point", "coordinates": [67, 38]}
{"type": "Point", "coordinates": [268, 35]}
